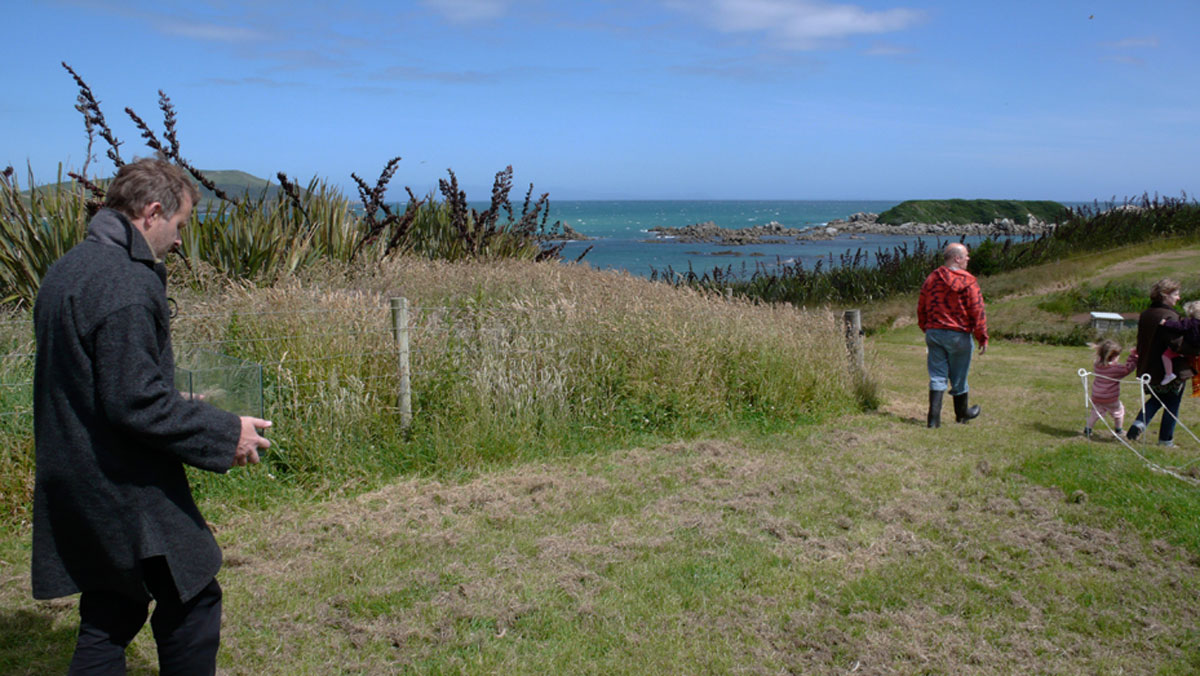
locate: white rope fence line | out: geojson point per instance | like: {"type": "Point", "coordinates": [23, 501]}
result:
{"type": "Point", "coordinates": [1144, 382]}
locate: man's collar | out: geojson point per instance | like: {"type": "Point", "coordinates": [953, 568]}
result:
{"type": "Point", "coordinates": [113, 228]}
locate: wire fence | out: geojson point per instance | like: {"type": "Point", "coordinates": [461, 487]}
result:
{"type": "Point", "coordinates": [322, 349]}
{"type": "Point", "coordinates": [366, 350]}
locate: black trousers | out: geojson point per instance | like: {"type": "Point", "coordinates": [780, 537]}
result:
{"type": "Point", "coordinates": [187, 634]}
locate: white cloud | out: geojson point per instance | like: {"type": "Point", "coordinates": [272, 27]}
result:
{"type": "Point", "coordinates": [469, 10]}
{"type": "Point", "coordinates": [798, 24]}
{"type": "Point", "coordinates": [1131, 43]}
{"type": "Point", "coordinates": [1127, 60]}
{"type": "Point", "coordinates": [887, 49]}
{"type": "Point", "coordinates": [212, 32]}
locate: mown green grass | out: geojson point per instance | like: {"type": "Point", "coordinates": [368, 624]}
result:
{"type": "Point", "coordinates": [1125, 489]}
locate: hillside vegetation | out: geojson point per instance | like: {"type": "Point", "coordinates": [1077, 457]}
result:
{"type": "Point", "coordinates": [961, 211]}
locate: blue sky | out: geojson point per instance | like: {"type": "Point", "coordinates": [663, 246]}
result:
{"type": "Point", "coordinates": [632, 99]}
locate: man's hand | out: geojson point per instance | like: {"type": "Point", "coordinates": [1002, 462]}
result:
{"type": "Point", "coordinates": [250, 441]}
{"type": "Point", "coordinates": [982, 348]}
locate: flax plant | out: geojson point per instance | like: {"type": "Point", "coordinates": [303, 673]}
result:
{"type": "Point", "coordinates": [36, 228]}
{"type": "Point", "coordinates": [264, 238]}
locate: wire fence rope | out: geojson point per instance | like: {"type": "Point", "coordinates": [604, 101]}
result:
{"type": "Point", "coordinates": [1144, 386]}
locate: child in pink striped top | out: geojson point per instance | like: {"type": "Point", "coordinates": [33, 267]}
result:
{"type": "Point", "coordinates": [1106, 385]}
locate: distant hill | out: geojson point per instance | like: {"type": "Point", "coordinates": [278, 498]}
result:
{"type": "Point", "coordinates": [234, 183]}
{"type": "Point", "coordinates": [962, 212]}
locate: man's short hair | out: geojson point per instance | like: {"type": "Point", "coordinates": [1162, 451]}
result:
{"type": "Point", "coordinates": [148, 180]}
{"type": "Point", "coordinates": [953, 250]}
{"type": "Point", "coordinates": [1162, 288]}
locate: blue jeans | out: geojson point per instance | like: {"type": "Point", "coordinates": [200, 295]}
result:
{"type": "Point", "coordinates": [1171, 396]}
{"type": "Point", "coordinates": [948, 359]}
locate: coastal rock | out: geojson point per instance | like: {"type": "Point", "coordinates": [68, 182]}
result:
{"type": "Point", "coordinates": [565, 232]}
{"type": "Point", "coordinates": [868, 224]}
{"type": "Point", "coordinates": [711, 233]}
{"type": "Point", "coordinates": [856, 225]}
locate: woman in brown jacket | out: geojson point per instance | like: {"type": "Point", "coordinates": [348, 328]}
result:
{"type": "Point", "coordinates": [1151, 342]}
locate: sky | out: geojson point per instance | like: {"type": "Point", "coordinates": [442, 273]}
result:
{"type": "Point", "coordinates": [629, 99]}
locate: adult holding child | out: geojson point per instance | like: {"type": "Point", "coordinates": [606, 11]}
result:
{"type": "Point", "coordinates": [113, 515]}
{"type": "Point", "coordinates": [950, 311]}
{"type": "Point", "coordinates": [1152, 342]}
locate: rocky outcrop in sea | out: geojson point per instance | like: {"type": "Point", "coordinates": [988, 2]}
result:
{"type": "Point", "coordinates": [711, 233]}
{"type": "Point", "coordinates": [565, 232]}
{"type": "Point", "coordinates": [858, 224]}
{"type": "Point", "coordinates": [868, 224]}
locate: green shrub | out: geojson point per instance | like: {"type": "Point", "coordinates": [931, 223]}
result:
{"type": "Point", "coordinates": [1112, 297]}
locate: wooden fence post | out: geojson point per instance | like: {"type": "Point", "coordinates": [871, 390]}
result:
{"type": "Point", "coordinates": [400, 333]}
{"type": "Point", "coordinates": [854, 338]}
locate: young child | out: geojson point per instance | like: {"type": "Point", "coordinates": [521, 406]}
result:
{"type": "Point", "coordinates": [1189, 328]}
{"type": "Point", "coordinates": [1106, 385]}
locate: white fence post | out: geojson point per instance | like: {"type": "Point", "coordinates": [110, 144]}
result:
{"type": "Point", "coordinates": [854, 338]}
{"type": "Point", "coordinates": [400, 333]}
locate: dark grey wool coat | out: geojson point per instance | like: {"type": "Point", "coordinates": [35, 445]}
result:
{"type": "Point", "coordinates": [112, 433]}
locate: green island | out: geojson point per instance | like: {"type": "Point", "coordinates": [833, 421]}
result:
{"type": "Point", "coordinates": [963, 211]}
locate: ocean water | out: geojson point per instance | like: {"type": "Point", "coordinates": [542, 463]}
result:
{"type": "Point", "coordinates": [622, 241]}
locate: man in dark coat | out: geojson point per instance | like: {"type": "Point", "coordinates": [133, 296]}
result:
{"type": "Point", "coordinates": [113, 515]}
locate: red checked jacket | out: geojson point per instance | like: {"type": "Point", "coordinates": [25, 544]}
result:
{"type": "Point", "coordinates": [951, 299]}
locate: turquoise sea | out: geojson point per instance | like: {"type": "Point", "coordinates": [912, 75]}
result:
{"type": "Point", "coordinates": [621, 239]}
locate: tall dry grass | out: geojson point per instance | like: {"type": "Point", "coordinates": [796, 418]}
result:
{"type": "Point", "coordinates": [510, 361]}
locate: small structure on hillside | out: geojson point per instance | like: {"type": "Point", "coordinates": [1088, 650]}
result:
{"type": "Point", "coordinates": [1107, 321]}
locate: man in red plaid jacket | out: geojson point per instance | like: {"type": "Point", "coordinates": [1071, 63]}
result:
{"type": "Point", "coordinates": [950, 311]}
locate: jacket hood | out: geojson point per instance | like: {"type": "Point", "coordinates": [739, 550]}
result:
{"type": "Point", "coordinates": [955, 279]}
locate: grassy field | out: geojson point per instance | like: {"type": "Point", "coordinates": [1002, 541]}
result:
{"type": "Point", "coordinates": [865, 543]}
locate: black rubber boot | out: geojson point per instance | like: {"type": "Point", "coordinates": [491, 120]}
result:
{"type": "Point", "coordinates": [934, 419]}
{"type": "Point", "coordinates": [963, 411]}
